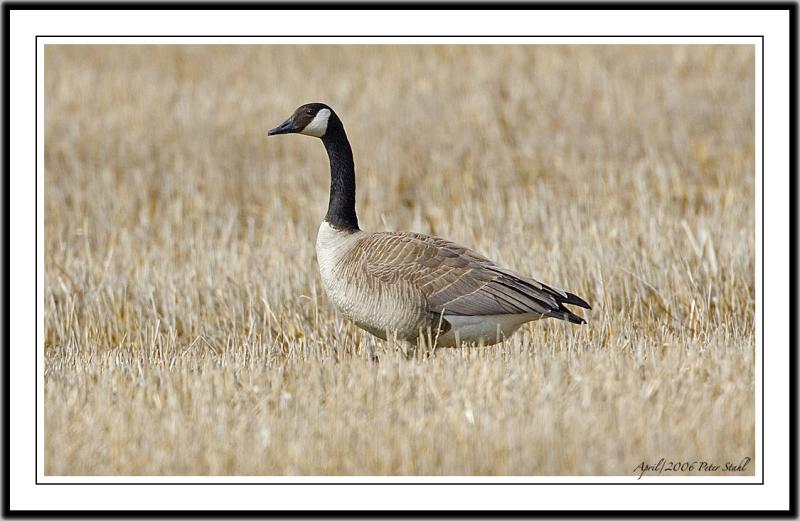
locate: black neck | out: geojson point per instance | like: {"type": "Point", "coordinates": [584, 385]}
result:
{"type": "Point", "coordinates": [342, 203]}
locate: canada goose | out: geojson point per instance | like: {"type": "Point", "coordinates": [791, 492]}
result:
{"type": "Point", "coordinates": [409, 284]}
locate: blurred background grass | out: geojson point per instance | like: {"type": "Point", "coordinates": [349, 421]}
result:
{"type": "Point", "coordinates": [185, 328]}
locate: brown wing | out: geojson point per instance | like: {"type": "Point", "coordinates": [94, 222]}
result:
{"type": "Point", "coordinates": [458, 281]}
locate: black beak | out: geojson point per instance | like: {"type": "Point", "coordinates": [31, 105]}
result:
{"type": "Point", "coordinates": [287, 127]}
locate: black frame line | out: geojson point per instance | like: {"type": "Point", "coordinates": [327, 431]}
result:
{"type": "Point", "coordinates": [236, 5]}
{"type": "Point", "coordinates": [6, 230]}
{"type": "Point", "coordinates": [395, 36]}
{"type": "Point", "coordinates": [649, 482]}
{"type": "Point", "coordinates": [793, 41]}
{"type": "Point", "coordinates": [791, 7]}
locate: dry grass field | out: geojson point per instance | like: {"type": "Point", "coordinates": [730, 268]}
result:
{"type": "Point", "coordinates": [186, 331]}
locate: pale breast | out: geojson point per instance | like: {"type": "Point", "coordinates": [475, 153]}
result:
{"type": "Point", "coordinates": [372, 304]}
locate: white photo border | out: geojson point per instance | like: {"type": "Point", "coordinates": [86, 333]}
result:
{"type": "Point", "coordinates": [22, 161]}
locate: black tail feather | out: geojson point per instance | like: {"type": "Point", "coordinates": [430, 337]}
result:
{"type": "Point", "coordinates": [575, 300]}
{"type": "Point", "coordinates": [565, 314]}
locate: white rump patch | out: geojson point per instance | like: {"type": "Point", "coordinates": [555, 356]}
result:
{"type": "Point", "coordinates": [319, 125]}
{"type": "Point", "coordinates": [489, 329]}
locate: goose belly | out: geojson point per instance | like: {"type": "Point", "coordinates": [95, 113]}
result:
{"type": "Point", "coordinates": [374, 310]}
{"type": "Point", "coordinates": [486, 330]}
{"type": "Point", "coordinates": [375, 307]}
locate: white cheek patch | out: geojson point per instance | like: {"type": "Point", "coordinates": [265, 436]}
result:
{"type": "Point", "coordinates": [318, 125]}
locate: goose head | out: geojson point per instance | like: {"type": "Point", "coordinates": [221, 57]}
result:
{"type": "Point", "coordinates": [310, 119]}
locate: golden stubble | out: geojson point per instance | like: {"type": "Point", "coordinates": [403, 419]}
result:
{"type": "Point", "coordinates": [186, 331]}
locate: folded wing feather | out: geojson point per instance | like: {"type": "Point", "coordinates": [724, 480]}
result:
{"type": "Point", "coordinates": [457, 281]}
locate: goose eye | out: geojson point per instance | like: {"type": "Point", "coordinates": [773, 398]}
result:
{"type": "Point", "coordinates": [310, 112]}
